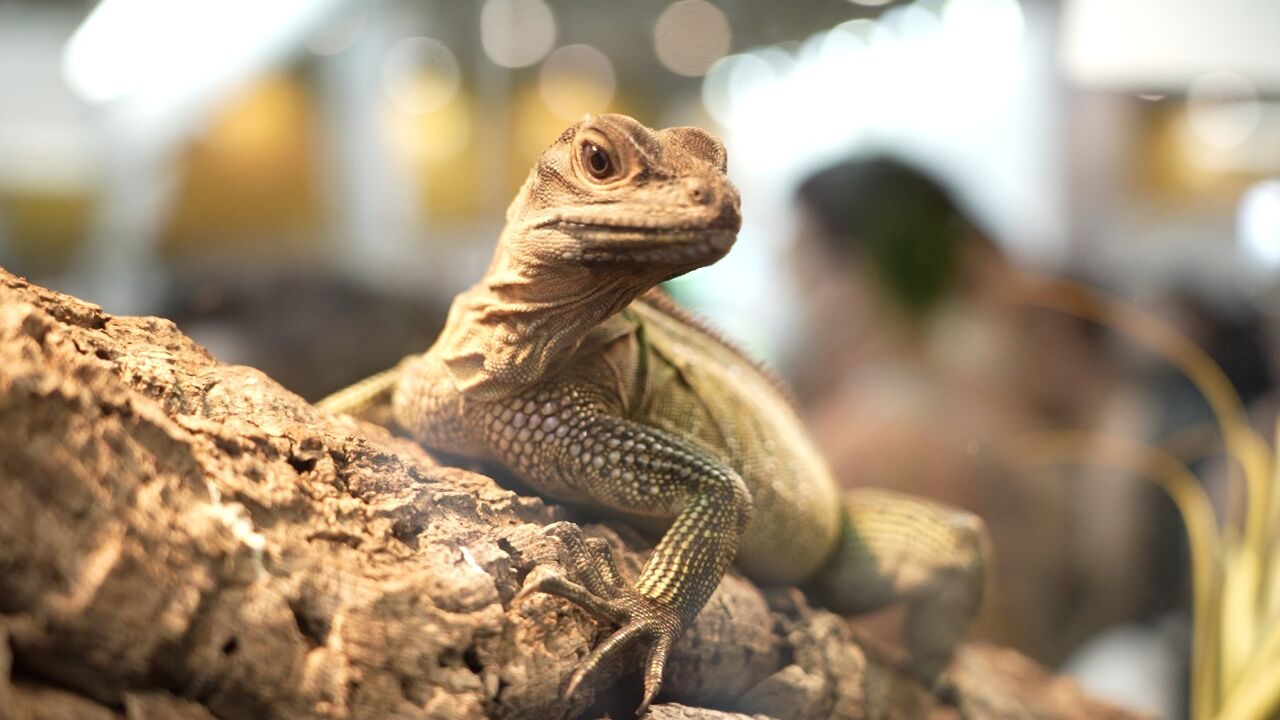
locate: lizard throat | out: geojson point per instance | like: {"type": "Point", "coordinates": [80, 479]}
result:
{"type": "Point", "coordinates": [550, 283]}
{"type": "Point", "coordinates": [510, 329]}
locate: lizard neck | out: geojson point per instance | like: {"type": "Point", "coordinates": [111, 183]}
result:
{"type": "Point", "coordinates": [528, 313]}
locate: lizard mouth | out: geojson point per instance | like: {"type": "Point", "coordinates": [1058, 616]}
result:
{"type": "Point", "coordinates": [602, 242]}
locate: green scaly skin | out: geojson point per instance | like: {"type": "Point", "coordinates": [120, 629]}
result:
{"type": "Point", "coordinates": [561, 365]}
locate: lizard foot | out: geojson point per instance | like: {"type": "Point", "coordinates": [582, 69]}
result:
{"type": "Point", "coordinates": [607, 598]}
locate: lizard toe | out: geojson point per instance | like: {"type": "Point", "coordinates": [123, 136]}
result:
{"type": "Point", "coordinates": [601, 558]}
{"type": "Point", "coordinates": [640, 620]}
{"type": "Point", "coordinates": [545, 579]}
{"type": "Point", "coordinates": [590, 559]}
{"type": "Point", "coordinates": [654, 667]}
{"type": "Point", "coordinates": [621, 640]}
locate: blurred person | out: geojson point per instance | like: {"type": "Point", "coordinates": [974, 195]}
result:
{"type": "Point", "coordinates": [918, 370]}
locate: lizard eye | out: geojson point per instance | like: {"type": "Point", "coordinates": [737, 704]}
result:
{"type": "Point", "coordinates": [596, 161]}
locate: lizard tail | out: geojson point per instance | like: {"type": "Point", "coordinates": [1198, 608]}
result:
{"type": "Point", "coordinates": [365, 398]}
{"type": "Point", "coordinates": [897, 548]}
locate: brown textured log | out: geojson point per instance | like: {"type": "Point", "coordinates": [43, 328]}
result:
{"type": "Point", "coordinates": [185, 539]}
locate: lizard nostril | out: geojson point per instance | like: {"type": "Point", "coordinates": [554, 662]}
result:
{"type": "Point", "coordinates": [700, 193]}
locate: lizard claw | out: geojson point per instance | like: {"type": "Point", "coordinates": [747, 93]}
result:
{"type": "Point", "coordinates": [602, 595]}
{"type": "Point", "coordinates": [544, 579]}
{"type": "Point", "coordinates": [653, 674]}
{"type": "Point", "coordinates": [644, 621]}
{"type": "Point", "coordinates": [650, 692]}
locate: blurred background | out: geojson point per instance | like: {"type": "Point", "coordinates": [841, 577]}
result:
{"type": "Point", "coordinates": [304, 184]}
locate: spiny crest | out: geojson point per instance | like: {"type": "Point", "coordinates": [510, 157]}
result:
{"type": "Point", "coordinates": [659, 299]}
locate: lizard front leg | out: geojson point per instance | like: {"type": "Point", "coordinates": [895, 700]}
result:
{"type": "Point", "coordinates": [568, 441]}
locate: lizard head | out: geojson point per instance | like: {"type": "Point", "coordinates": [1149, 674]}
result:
{"type": "Point", "coordinates": [611, 209]}
{"type": "Point", "coordinates": [612, 193]}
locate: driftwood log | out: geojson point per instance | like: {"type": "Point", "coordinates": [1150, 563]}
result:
{"type": "Point", "coordinates": [185, 539]}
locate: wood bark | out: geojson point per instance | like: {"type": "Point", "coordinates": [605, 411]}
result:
{"type": "Point", "coordinates": [185, 539]}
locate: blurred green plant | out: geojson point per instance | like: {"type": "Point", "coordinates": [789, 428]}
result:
{"type": "Point", "coordinates": [1235, 568]}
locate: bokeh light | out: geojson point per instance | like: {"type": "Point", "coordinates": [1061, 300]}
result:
{"type": "Point", "coordinates": [734, 79]}
{"type": "Point", "coordinates": [1222, 109]}
{"type": "Point", "coordinates": [690, 36]}
{"type": "Point", "coordinates": [337, 35]}
{"type": "Point", "coordinates": [432, 137]}
{"type": "Point", "coordinates": [164, 55]}
{"type": "Point", "coordinates": [1259, 223]}
{"type": "Point", "coordinates": [914, 23]}
{"type": "Point", "coordinates": [759, 69]}
{"type": "Point", "coordinates": [576, 80]}
{"type": "Point", "coordinates": [717, 99]}
{"type": "Point", "coordinates": [990, 26]}
{"type": "Point", "coordinates": [517, 33]}
{"type": "Point", "coordinates": [866, 30]}
{"type": "Point", "coordinates": [420, 75]}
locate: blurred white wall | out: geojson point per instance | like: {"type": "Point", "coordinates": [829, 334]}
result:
{"type": "Point", "coordinates": [1164, 45]}
{"type": "Point", "coordinates": [45, 139]}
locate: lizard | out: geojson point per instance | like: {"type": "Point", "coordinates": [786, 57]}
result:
{"type": "Point", "coordinates": [567, 365]}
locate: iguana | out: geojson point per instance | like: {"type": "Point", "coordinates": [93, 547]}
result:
{"type": "Point", "coordinates": [565, 365]}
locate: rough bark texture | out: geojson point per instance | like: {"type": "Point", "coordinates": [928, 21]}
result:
{"type": "Point", "coordinates": [185, 539]}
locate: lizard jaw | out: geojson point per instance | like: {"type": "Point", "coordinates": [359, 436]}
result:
{"type": "Point", "coordinates": [600, 243]}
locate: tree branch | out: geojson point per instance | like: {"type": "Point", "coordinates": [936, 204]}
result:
{"type": "Point", "coordinates": [185, 539]}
